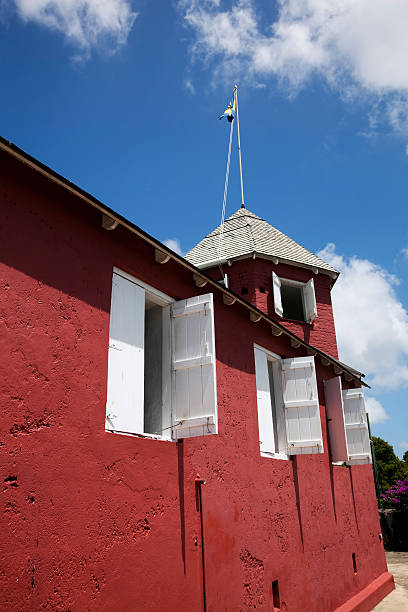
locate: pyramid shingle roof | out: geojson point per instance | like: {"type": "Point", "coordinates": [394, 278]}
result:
{"type": "Point", "coordinates": [244, 233]}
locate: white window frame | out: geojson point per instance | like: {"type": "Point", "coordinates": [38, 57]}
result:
{"type": "Point", "coordinates": [163, 300]}
{"type": "Point", "coordinates": [276, 359]}
{"type": "Point", "coordinates": [298, 424]}
{"type": "Point", "coordinates": [337, 411]}
{"type": "Point", "coordinates": [302, 286]}
{"type": "Point", "coordinates": [189, 386]}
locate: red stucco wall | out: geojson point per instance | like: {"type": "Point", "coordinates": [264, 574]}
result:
{"type": "Point", "coordinates": [97, 521]}
{"type": "Point", "coordinates": [256, 274]}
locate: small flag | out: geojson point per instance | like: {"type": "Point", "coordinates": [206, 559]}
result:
{"type": "Point", "coordinates": [228, 113]}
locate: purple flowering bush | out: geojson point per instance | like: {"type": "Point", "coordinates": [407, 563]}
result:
{"type": "Point", "coordinates": [396, 496]}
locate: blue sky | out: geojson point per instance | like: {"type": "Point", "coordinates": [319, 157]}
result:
{"type": "Point", "coordinates": [123, 98]}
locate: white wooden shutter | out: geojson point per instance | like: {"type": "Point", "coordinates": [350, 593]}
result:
{"type": "Point", "coordinates": [124, 408]}
{"type": "Point", "coordinates": [301, 406]}
{"type": "Point", "coordinates": [194, 383]}
{"type": "Point", "coordinates": [265, 419]}
{"type": "Point", "coordinates": [355, 420]}
{"type": "Point", "coordinates": [335, 419]}
{"type": "Point", "coordinates": [310, 301]}
{"type": "Point", "coordinates": [277, 297]}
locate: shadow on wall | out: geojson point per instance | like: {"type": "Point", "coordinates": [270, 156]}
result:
{"type": "Point", "coordinates": [52, 237]}
{"type": "Point", "coordinates": [56, 238]}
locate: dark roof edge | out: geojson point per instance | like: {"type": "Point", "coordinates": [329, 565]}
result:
{"type": "Point", "coordinates": [38, 166]}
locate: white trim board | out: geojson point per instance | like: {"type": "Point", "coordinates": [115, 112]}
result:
{"type": "Point", "coordinates": [162, 298]}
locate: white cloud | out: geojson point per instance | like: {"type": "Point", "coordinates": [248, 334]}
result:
{"type": "Point", "coordinates": [376, 411]}
{"type": "Point", "coordinates": [85, 23]}
{"type": "Point", "coordinates": [403, 445]}
{"type": "Point", "coordinates": [371, 323]}
{"type": "Point", "coordinates": [174, 245]}
{"type": "Point", "coordinates": [358, 46]}
{"type": "Point", "coordinates": [189, 85]}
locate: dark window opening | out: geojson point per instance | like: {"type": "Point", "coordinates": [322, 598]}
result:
{"type": "Point", "coordinates": [273, 406]}
{"type": "Point", "coordinates": [275, 594]}
{"type": "Point", "coordinates": [354, 563]}
{"type": "Point", "coordinates": [153, 367]}
{"type": "Point", "coordinates": [262, 289]}
{"type": "Point", "coordinates": [244, 290]}
{"type": "Point", "coordinates": [292, 302]}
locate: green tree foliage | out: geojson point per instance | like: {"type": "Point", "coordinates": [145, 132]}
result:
{"type": "Point", "coordinates": [405, 457]}
{"type": "Point", "coordinates": [389, 467]}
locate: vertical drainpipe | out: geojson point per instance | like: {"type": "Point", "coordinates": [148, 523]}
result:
{"type": "Point", "coordinates": [199, 482]}
{"type": "Point", "coordinates": [376, 481]}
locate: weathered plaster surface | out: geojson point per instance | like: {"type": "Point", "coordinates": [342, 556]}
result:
{"type": "Point", "coordinates": [97, 521]}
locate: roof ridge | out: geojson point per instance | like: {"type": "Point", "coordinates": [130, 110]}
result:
{"type": "Point", "coordinates": [237, 214]}
{"type": "Point", "coordinates": [243, 212]}
{"type": "Point", "coordinates": [251, 233]}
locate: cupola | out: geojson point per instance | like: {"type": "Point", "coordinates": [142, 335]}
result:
{"type": "Point", "coordinates": [272, 272]}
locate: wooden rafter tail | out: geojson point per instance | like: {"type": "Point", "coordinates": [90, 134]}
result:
{"type": "Point", "coordinates": [199, 281]}
{"type": "Point", "coordinates": [160, 256]}
{"type": "Point", "coordinates": [294, 343]}
{"type": "Point", "coordinates": [108, 223]}
{"type": "Point", "coordinates": [228, 300]}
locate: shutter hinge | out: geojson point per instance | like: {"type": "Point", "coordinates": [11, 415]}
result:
{"type": "Point", "coordinates": [113, 346]}
{"type": "Point", "coordinates": [109, 418]}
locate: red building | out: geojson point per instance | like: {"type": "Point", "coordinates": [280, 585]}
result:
{"type": "Point", "coordinates": [169, 443]}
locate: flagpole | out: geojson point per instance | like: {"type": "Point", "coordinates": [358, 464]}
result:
{"type": "Point", "coordinates": [239, 149]}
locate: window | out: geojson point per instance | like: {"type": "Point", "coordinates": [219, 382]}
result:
{"type": "Point", "coordinates": [294, 300]}
{"type": "Point", "coordinates": [347, 423]}
{"type": "Point", "coordinates": [161, 362]}
{"type": "Point", "coordinates": [288, 406]}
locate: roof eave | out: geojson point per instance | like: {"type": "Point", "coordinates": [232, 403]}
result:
{"type": "Point", "coordinates": [274, 258]}
{"type": "Point", "coordinates": [258, 315]}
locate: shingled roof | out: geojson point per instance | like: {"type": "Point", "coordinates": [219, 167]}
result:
{"type": "Point", "coordinates": [245, 234]}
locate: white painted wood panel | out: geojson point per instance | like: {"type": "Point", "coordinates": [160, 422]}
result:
{"type": "Point", "coordinates": [277, 297]}
{"type": "Point", "coordinates": [301, 406]}
{"type": "Point", "coordinates": [310, 301]}
{"type": "Point", "coordinates": [124, 409]}
{"type": "Point", "coordinates": [355, 421]}
{"type": "Point", "coordinates": [265, 419]}
{"type": "Point", "coordinates": [335, 419]}
{"type": "Point", "coordinates": [194, 382]}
